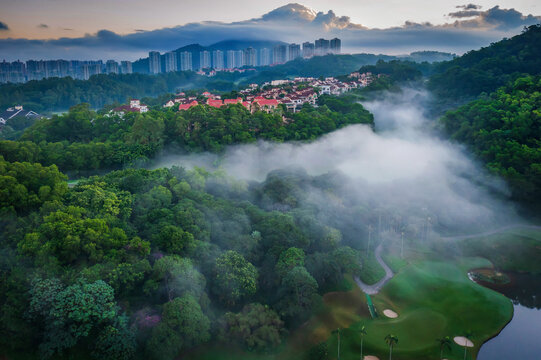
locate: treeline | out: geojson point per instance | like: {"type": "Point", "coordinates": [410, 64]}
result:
{"type": "Point", "coordinates": [144, 264]}
{"type": "Point", "coordinates": [390, 75]}
{"type": "Point", "coordinates": [487, 69]}
{"type": "Point", "coordinates": [56, 94]}
{"type": "Point", "coordinates": [83, 140]}
{"type": "Point", "coordinates": [317, 66]}
{"type": "Point", "coordinates": [504, 131]}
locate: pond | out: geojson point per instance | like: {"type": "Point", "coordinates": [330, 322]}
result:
{"type": "Point", "coordinates": [520, 338]}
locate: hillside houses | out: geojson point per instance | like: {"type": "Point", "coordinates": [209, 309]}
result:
{"type": "Point", "coordinates": [293, 94]}
{"type": "Point", "coordinates": [134, 106]}
{"type": "Point", "coordinates": [17, 112]}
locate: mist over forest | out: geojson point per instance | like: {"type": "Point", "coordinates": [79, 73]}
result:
{"type": "Point", "coordinates": [405, 166]}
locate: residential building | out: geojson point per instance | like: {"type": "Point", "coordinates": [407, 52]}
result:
{"type": "Point", "coordinates": [171, 62]}
{"type": "Point", "coordinates": [134, 106]}
{"type": "Point", "coordinates": [91, 69]}
{"type": "Point", "coordinates": [322, 47]}
{"type": "Point", "coordinates": [111, 67]}
{"type": "Point", "coordinates": [279, 54]}
{"type": "Point", "coordinates": [239, 58]}
{"type": "Point", "coordinates": [204, 60]}
{"type": "Point", "coordinates": [15, 112]}
{"type": "Point", "coordinates": [230, 59]}
{"type": "Point", "coordinates": [262, 104]}
{"type": "Point", "coordinates": [294, 51]}
{"type": "Point", "coordinates": [186, 61]}
{"type": "Point", "coordinates": [250, 57]}
{"type": "Point", "coordinates": [307, 50]}
{"type": "Point", "coordinates": [265, 57]}
{"type": "Point", "coordinates": [154, 62]}
{"type": "Point", "coordinates": [336, 46]}
{"type": "Point", "coordinates": [126, 67]}
{"type": "Point", "coordinates": [218, 59]}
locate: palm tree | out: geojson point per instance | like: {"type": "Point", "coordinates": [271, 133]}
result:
{"type": "Point", "coordinates": [467, 335]}
{"type": "Point", "coordinates": [362, 333]}
{"type": "Point", "coordinates": [391, 340]}
{"type": "Point", "coordinates": [338, 331]}
{"type": "Point", "coordinates": [445, 342]}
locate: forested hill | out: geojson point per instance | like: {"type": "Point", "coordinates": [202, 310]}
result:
{"type": "Point", "coordinates": [504, 131]}
{"type": "Point", "coordinates": [85, 141]}
{"type": "Point", "coordinates": [487, 69]}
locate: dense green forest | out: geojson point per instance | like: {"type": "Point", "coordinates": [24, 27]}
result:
{"type": "Point", "coordinates": [487, 69]}
{"type": "Point", "coordinates": [147, 264]}
{"type": "Point", "coordinates": [57, 94]}
{"type": "Point", "coordinates": [504, 131]}
{"type": "Point", "coordinates": [83, 140]}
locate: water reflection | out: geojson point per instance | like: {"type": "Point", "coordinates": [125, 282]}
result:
{"type": "Point", "coordinates": [520, 338]}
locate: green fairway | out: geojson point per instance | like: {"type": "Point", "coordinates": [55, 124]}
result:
{"type": "Point", "coordinates": [433, 300]}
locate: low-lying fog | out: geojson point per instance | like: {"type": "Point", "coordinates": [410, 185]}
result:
{"type": "Point", "coordinates": [402, 165]}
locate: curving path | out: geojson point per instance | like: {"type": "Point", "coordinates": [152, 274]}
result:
{"type": "Point", "coordinates": [374, 289]}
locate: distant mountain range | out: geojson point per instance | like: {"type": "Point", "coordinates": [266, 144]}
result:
{"type": "Point", "coordinates": [231, 45]}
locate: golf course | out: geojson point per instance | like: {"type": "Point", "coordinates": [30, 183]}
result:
{"type": "Point", "coordinates": [427, 304]}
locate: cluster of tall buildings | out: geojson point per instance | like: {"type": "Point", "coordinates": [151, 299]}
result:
{"type": "Point", "coordinates": [17, 71]}
{"type": "Point", "coordinates": [234, 59]}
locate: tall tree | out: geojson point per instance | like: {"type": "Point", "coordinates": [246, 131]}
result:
{"type": "Point", "coordinates": [391, 340]}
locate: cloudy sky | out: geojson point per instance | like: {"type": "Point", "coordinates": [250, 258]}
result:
{"type": "Point", "coordinates": [125, 29]}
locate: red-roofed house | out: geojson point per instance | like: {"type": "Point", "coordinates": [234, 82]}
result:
{"type": "Point", "coordinates": [187, 106]}
{"type": "Point", "coordinates": [267, 105]}
{"type": "Point", "coordinates": [232, 101]}
{"type": "Point", "coordinates": [206, 94]}
{"type": "Point", "coordinates": [215, 103]}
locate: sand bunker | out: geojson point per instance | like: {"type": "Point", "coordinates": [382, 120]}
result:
{"type": "Point", "coordinates": [390, 314]}
{"type": "Point", "coordinates": [462, 341]}
{"type": "Point", "coordinates": [370, 357]}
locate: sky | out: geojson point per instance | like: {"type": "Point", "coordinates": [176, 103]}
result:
{"type": "Point", "coordinates": [128, 29]}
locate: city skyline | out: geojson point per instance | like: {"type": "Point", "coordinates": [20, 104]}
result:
{"type": "Point", "coordinates": [182, 59]}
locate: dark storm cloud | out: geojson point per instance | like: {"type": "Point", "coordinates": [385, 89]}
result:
{"type": "Point", "coordinates": [293, 23]}
{"type": "Point", "coordinates": [3, 26]}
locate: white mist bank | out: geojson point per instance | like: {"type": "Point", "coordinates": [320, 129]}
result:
{"type": "Point", "coordinates": [401, 165]}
